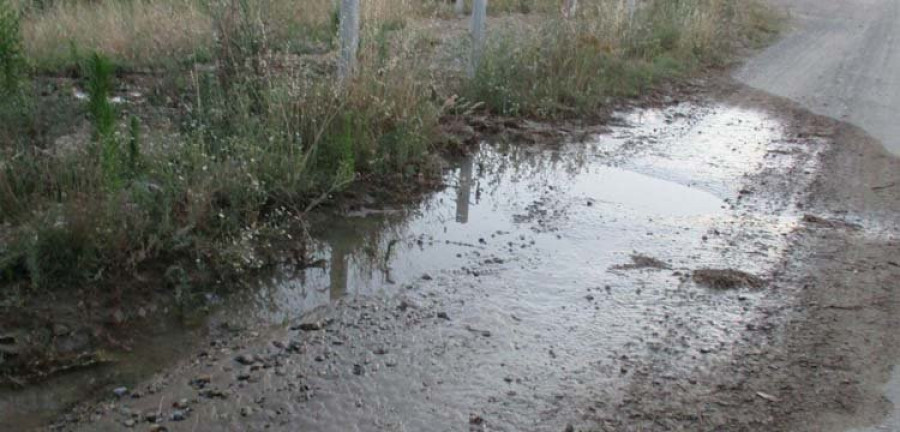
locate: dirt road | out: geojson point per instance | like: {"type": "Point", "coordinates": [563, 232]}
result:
{"type": "Point", "coordinates": [841, 59]}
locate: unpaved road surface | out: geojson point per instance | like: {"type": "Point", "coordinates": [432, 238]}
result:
{"type": "Point", "coordinates": [840, 59]}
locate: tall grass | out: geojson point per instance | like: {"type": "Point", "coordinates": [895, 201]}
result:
{"type": "Point", "coordinates": [575, 66]}
{"type": "Point", "coordinates": [134, 33]}
{"type": "Point", "coordinates": [254, 145]}
{"type": "Point", "coordinates": [263, 133]}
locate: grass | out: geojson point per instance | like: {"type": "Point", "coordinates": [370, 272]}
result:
{"type": "Point", "coordinates": [575, 67]}
{"type": "Point", "coordinates": [261, 132]}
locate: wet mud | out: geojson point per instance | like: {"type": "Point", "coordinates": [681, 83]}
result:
{"type": "Point", "coordinates": [655, 276]}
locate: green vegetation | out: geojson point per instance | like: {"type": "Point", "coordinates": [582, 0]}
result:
{"type": "Point", "coordinates": [241, 127]}
{"type": "Point", "coordinates": [574, 67]}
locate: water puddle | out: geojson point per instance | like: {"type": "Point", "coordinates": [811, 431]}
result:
{"type": "Point", "coordinates": [575, 260]}
{"type": "Point", "coordinates": [505, 207]}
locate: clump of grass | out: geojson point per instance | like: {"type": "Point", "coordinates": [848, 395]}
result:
{"type": "Point", "coordinates": [12, 59]}
{"type": "Point", "coordinates": [576, 66]}
{"type": "Point", "coordinates": [14, 103]}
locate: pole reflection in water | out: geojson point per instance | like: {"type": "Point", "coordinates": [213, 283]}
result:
{"type": "Point", "coordinates": [464, 191]}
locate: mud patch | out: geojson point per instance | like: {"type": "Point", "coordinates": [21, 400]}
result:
{"type": "Point", "coordinates": [639, 261]}
{"type": "Point", "coordinates": [519, 320]}
{"type": "Point", "coordinates": [727, 279]}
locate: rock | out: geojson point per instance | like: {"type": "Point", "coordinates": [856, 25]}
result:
{"type": "Point", "coordinates": [475, 419]}
{"type": "Point", "coordinates": [313, 326]}
{"type": "Point", "coordinates": [201, 381]}
{"type": "Point", "coordinates": [180, 404]}
{"type": "Point", "coordinates": [178, 415]}
{"type": "Point", "coordinates": [129, 423]}
{"type": "Point", "coordinates": [243, 376]}
{"type": "Point", "coordinates": [215, 394]}
{"type": "Point", "coordinates": [295, 347]}
{"type": "Point", "coordinates": [150, 417]}
{"type": "Point", "coordinates": [569, 428]}
{"type": "Point", "coordinates": [118, 316]}
{"type": "Point", "coordinates": [246, 411]}
{"type": "Point", "coordinates": [120, 391]}
{"type": "Point", "coordinates": [358, 370]}
{"type": "Point", "coordinates": [427, 277]}
{"type": "Point", "coordinates": [60, 330]}
{"type": "Point", "coordinates": [245, 359]}
{"type": "Point", "coordinates": [380, 351]}
{"type": "Point", "coordinates": [157, 428]}
{"type": "Point", "coordinates": [443, 315]}
{"type": "Point", "coordinates": [589, 297]}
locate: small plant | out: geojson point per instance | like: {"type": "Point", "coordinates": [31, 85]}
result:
{"type": "Point", "coordinates": [134, 146]}
{"type": "Point", "coordinates": [12, 59]}
{"type": "Point", "coordinates": [14, 105]}
{"type": "Point", "coordinates": [98, 71]}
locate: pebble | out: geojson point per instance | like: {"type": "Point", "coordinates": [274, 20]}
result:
{"type": "Point", "coordinates": [312, 326]}
{"type": "Point", "coordinates": [443, 315]}
{"type": "Point", "coordinates": [120, 391]}
{"type": "Point", "coordinates": [129, 423]}
{"type": "Point", "coordinates": [178, 415]}
{"type": "Point", "coordinates": [245, 359]}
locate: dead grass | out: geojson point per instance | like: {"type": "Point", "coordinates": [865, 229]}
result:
{"type": "Point", "coordinates": [138, 33]}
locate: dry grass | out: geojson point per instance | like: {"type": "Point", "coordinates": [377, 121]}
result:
{"type": "Point", "coordinates": [135, 33]}
{"type": "Point", "coordinates": [151, 33]}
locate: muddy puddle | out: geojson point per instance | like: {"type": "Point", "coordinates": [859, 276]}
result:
{"type": "Point", "coordinates": [539, 277]}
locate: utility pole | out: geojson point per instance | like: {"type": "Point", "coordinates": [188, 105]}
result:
{"type": "Point", "coordinates": [570, 7]}
{"type": "Point", "coordinates": [349, 34]}
{"type": "Point", "coordinates": [631, 8]}
{"type": "Point", "coordinates": [460, 7]}
{"type": "Point", "coordinates": [479, 16]}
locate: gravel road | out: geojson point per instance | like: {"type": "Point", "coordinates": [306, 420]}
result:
{"type": "Point", "coordinates": [840, 59]}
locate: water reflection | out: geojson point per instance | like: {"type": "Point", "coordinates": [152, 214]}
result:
{"type": "Point", "coordinates": [464, 190]}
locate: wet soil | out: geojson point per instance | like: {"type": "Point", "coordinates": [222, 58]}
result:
{"type": "Point", "coordinates": [561, 288]}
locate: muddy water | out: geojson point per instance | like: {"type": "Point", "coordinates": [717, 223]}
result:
{"type": "Point", "coordinates": [530, 308]}
{"type": "Point", "coordinates": [661, 178]}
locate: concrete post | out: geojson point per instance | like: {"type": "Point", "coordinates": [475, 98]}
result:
{"type": "Point", "coordinates": [570, 7]}
{"type": "Point", "coordinates": [349, 34]}
{"type": "Point", "coordinates": [630, 9]}
{"type": "Point", "coordinates": [479, 16]}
